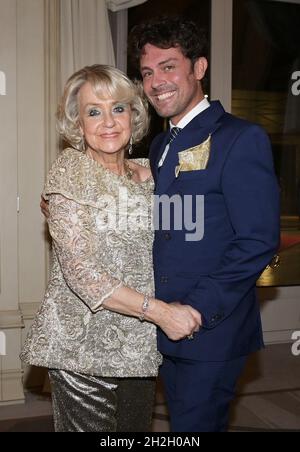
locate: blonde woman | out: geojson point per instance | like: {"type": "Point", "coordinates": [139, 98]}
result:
{"type": "Point", "coordinates": [96, 328]}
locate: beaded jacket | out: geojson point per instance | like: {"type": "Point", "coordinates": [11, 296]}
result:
{"type": "Point", "coordinates": [102, 236]}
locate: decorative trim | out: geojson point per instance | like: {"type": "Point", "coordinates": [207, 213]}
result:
{"type": "Point", "coordinates": [278, 337]}
{"type": "Point", "coordinates": [12, 373]}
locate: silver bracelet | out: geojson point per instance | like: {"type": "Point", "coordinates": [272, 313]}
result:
{"type": "Point", "coordinates": [145, 307]}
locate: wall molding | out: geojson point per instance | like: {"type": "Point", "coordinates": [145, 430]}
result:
{"type": "Point", "coordinates": [28, 310]}
{"type": "Point", "coordinates": [278, 337]}
{"type": "Point", "coordinates": [11, 320]}
{"type": "Point", "coordinates": [11, 381]}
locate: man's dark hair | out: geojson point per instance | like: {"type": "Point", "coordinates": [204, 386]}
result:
{"type": "Point", "coordinates": [168, 32]}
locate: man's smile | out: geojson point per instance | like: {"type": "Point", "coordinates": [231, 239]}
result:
{"type": "Point", "coordinates": [165, 96]}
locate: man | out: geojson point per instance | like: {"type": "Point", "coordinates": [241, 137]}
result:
{"type": "Point", "coordinates": [229, 161]}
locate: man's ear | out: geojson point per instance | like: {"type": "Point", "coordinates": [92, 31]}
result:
{"type": "Point", "coordinates": [200, 68]}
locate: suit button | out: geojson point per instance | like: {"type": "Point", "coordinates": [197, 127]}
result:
{"type": "Point", "coordinates": [164, 279]}
{"type": "Point", "coordinates": [168, 236]}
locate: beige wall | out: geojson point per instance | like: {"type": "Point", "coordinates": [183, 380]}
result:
{"type": "Point", "coordinates": [23, 255]}
{"type": "Point", "coordinates": [31, 148]}
{"type": "Point", "coordinates": [10, 316]}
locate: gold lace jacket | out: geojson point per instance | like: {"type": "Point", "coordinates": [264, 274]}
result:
{"type": "Point", "coordinates": [71, 330]}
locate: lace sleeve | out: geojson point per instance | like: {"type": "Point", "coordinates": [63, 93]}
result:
{"type": "Point", "coordinates": [75, 249]}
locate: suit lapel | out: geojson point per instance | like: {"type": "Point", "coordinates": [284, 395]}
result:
{"type": "Point", "coordinates": [193, 134]}
{"type": "Point", "coordinates": [188, 139]}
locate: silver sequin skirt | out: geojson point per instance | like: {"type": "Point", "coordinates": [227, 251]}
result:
{"type": "Point", "coordinates": [83, 403]}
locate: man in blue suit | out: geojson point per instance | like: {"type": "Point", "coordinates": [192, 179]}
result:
{"type": "Point", "coordinates": [212, 153]}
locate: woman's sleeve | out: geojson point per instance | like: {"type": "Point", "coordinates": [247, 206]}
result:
{"type": "Point", "coordinates": [74, 244]}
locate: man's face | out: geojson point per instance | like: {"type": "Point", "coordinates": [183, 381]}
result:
{"type": "Point", "coordinates": [170, 82]}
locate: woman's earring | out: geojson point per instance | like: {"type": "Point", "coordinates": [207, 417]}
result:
{"type": "Point", "coordinates": [130, 149]}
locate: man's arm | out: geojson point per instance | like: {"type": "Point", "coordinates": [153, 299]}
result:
{"type": "Point", "coordinates": [44, 205]}
{"type": "Point", "coordinates": [251, 194]}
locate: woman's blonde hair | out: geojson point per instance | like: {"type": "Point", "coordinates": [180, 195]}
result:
{"type": "Point", "coordinates": [106, 81]}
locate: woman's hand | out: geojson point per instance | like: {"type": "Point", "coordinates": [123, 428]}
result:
{"type": "Point", "coordinates": [176, 320]}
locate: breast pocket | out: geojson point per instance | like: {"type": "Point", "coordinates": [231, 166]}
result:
{"type": "Point", "coordinates": [201, 175]}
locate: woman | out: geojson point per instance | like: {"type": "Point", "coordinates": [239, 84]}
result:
{"type": "Point", "coordinates": [90, 330]}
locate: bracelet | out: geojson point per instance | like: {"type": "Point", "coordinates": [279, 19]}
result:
{"type": "Point", "coordinates": [145, 307]}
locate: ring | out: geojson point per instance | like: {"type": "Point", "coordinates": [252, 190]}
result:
{"type": "Point", "coordinates": [190, 337]}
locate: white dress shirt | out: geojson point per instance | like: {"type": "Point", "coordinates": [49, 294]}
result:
{"type": "Point", "coordinates": [203, 105]}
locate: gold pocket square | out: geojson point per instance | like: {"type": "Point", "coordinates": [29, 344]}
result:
{"type": "Point", "coordinates": [195, 158]}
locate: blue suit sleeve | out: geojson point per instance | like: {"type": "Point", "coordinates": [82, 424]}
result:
{"type": "Point", "coordinates": [251, 195]}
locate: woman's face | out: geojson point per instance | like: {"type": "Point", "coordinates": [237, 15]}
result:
{"type": "Point", "coordinates": [105, 123]}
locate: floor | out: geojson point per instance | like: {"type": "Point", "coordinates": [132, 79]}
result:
{"type": "Point", "coordinates": [268, 399]}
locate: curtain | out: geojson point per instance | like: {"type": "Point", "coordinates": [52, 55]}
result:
{"type": "Point", "coordinates": [118, 5]}
{"type": "Point", "coordinates": [85, 35]}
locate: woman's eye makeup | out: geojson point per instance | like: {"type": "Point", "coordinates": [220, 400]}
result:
{"type": "Point", "coordinates": [120, 108]}
{"type": "Point", "coordinates": [115, 109]}
{"type": "Point", "coordinates": [93, 112]}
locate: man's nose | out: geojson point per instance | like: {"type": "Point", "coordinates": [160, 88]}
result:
{"type": "Point", "coordinates": [157, 80]}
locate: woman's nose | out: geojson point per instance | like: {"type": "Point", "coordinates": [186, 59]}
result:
{"type": "Point", "coordinates": [108, 119]}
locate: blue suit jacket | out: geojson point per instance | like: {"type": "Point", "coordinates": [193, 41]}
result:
{"type": "Point", "coordinates": [217, 275]}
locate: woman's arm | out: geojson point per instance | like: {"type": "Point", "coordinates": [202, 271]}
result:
{"type": "Point", "coordinates": [75, 249]}
{"type": "Point", "coordinates": [176, 320]}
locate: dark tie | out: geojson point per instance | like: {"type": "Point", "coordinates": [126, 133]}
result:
{"type": "Point", "coordinates": [173, 134]}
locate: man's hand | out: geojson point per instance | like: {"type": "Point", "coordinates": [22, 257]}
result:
{"type": "Point", "coordinates": [176, 320]}
{"type": "Point", "coordinates": [44, 205]}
